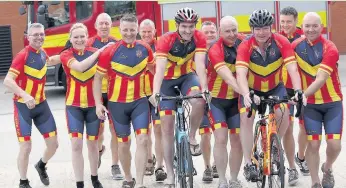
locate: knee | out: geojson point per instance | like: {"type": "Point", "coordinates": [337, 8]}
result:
{"type": "Point", "coordinates": [77, 147]}
{"type": "Point", "coordinates": [142, 140]}
{"type": "Point", "coordinates": [124, 147]}
{"type": "Point", "coordinates": [235, 142]}
{"type": "Point", "coordinates": [221, 140]}
{"type": "Point", "coordinates": [157, 131]}
{"type": "Point", "coordinates": [289, 131]}
{"type": "Point", "coordinates": [334, 146]}
{"type": "Point", "coordinates": [54, 146]}
{"type": "Point", "coordinates": [206, 137]}
{"type": "Point", "coordinates": [198, 103]}
{"type": "Point", "coordinates": [314, 146]}
{"type": "Point", "coordinates": [25, 148]}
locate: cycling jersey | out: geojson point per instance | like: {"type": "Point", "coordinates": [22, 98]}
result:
{"type": "Point", "coordinates": [98, 42]}
{"type": "Point", "coordinates": [29, 67]}
{"type": "Point", "coordinates": [264, 72]}
{"type": "Point", "coordinates": [222, 55]}
{"type": "Point", "coordinates": [125, 65]}
{"type": "Point", "coordinates": [321, 55]}
{"type": "Point", "coordinates": [149, 77]}
{"type": "Point", "coordinates": [79, 87]}
{"type": "Point", "coordinates": [285, 76]}
{"type": "Point", "coordinates": [179, 54]}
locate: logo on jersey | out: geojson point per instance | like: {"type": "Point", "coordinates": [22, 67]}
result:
{"type": "Point", "coordinates": [272, 52]}
{"type": "Point", "coordinates": [139, 53]}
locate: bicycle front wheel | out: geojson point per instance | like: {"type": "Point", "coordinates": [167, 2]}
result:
{"type": "Point", "coordinates": [185, 164]}
{"type": "Point", "coordinates": [277, 167]}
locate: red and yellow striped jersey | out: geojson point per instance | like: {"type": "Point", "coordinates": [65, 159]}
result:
{"type": "Point", "coordinates": [264, 72]}
{"type": "Point", "coordinates": [179, 54]}
{"type": "Point", "coordinates": [149, 77]}
{"type": "Point", "coordinates": [125, 64]}
{"type": "Point", "coordinates": [286, 79]}
{"type": "Point", "coordinates": [29, 67]}
{"type": "Point", "coordinates": [98, 42]}
{"type": "Point", "coordinates": [79, 84]}
{"type": "Point", "coordinates": [220, 55]}
{"type": "Point", "coordinates": [321, 55]}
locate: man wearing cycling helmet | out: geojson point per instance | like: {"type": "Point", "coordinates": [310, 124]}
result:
{"type": "Point", "coordinates": [174, 67]}
{"type": "Point", "coordinates": [259, 61]}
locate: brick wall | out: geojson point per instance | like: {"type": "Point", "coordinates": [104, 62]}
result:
{"type": "Point", "coordinates": [10, 16]}
{"type": "Point", "coordinates": [338, 25]}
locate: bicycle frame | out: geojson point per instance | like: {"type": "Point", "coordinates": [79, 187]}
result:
{"type": "Point", "coordinates": [180, 129]}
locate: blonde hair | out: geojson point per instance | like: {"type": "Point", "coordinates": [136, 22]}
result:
{"type": "Point", "coordinates": [77, 26]}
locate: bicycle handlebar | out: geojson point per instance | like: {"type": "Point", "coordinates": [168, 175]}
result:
{"type": "Point", "coordinates": [180, 97]}
{"type": "Point", "coordinates": [273, 100]}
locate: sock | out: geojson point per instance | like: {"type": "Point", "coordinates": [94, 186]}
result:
{"type": "Point", "coordinates": [22, 182]}
{"type": "Point", "coordinates": [41, 164]}
{"type": "Point", "coordinates": [301, 160]}
{"type": "Point", "coordinates": [94, 178]}
{"type": "Point", "coordinates": [80, 184]}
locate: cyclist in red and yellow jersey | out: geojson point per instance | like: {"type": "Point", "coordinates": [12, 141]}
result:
{"type": "Point", "coordinates": [26, 79]}
{"type": "Point", "coordinates": [210, 31]}
{"type": "Point", "coordinates": [175, 55]}
{"type": "Point", "coordinates": [125, 65]}
{"type": "Point", "coordinates": [147, 32]}
{"type": "Point", "coordinates": [224, 114]}
{"type": "Point", "coordinates": [260, 58]}
{"type": "Point", "coordinates": [103, 26]}
{"type": "Point", "coordinates": [79, 63]}
{"type": "Point", "coordinates": [288, 22]}
{"type": "Point", "coordinates": [318, 63]}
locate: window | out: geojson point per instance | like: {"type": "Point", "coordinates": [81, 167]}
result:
{"type": "Point", "coordinates": [56, 14]}
{"type": "Point", "coordinates": [116, 9]}
{"type": "Point", "coordinates": [83, 9]}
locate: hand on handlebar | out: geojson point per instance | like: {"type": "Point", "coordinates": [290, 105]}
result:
{"type": "Point", "coordinates": [153, 99]}
{"type": "Point", "coordinates": [248, 101]}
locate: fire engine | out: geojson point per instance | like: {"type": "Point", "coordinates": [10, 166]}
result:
{"type": "Point", "coordinates": [57, 17]}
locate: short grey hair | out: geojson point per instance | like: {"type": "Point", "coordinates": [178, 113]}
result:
{"type": "Point", "coordinates": [34, 25]}
{"type": "Point", "coordinates": [147, 22]}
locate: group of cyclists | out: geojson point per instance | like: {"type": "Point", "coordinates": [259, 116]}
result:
{"type": "Point", "coordinates": [119, 80]}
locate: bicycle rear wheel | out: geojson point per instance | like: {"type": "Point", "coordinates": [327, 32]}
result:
{"type": "Point", "coordinates": [259, 155]}
{"type": "Point", "coordinates": [185, 164]}
{"type": "Point", "coordinates": [277, 167]}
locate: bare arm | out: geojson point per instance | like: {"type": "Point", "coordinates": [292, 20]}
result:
{"type": "Point", "coordinates": [320, 80]}
{"type": "Point", "coordinates": [85, 64]}
{"type": "Point", "coordinates": [295, 76]}
{"type": "Point", "coordinates": [53, 60]}
{"type": "Point", "coordinates": [242, 80]}
{"type": "Point", "coordinates": [97, 85]}
{"type": "Point", "coordinates": [161, 63]}
{"type": "Point", "coordinates": [200, 70]}
{"type": "Point", "coordinates": [11, 84]}
{"type": "Point", "coordinates": [228, 77]}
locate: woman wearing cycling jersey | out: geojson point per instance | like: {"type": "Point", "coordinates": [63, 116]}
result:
{"type": "Point", "coordinates": [79, 63]}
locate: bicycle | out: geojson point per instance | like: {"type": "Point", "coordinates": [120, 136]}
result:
{"type": "Point", "coordinates": [184, 169]}
{"type": "Point", "coordinates": [267, 156]}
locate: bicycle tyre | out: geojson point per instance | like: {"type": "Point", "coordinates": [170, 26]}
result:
{"type": "Point", "coordinates": [261, 181]}
{"type": "Point", "coordinates": [277, 166]}
{"type": "Point", "coordinates": [185, 164]}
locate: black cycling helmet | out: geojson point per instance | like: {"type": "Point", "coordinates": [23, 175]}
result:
{"type": "Point", "coordinates": [261, 18]}
{"type": "Point", "coordinates": [186, 15]}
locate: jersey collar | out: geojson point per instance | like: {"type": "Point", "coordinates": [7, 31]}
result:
{"type": "Point", "coordinates": [132, 45]}
{"type": "Point", "coordinates": [34, 50]}
{"type": "Point", "coordinates": [103, 40]}
{"type": "Point", "coordinates": [312, 43]}
{"type": "Point", "coordinates": [298, 31]}
{"type": "Point", "coordinates": [79, 52]}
